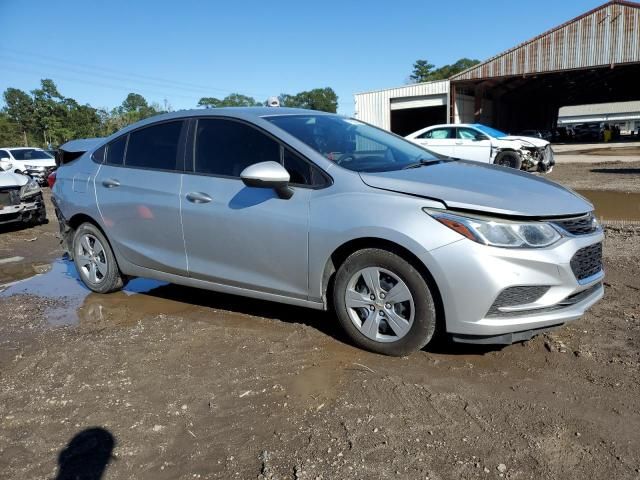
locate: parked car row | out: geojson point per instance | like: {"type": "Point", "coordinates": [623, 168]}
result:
{"type": "Point", "coordinates": [318, 210]}
{"type": "Point", "coordinates": [480, 143]}
{"type": "Point", "coordinates": [34, 162]}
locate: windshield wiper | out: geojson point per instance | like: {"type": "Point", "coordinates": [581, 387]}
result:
{"type": "Point", "coordinates": [422, 163]}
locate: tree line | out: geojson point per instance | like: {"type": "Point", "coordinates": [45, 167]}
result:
{"type": "Point", "coordinates": [44, 117]}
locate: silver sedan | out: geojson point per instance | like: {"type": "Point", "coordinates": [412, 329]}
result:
{"type": "Point", "coordinates": [326, 212]}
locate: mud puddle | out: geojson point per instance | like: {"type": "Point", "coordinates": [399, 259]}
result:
{"type": "Point", "coordinates": [612, 205]}
{"type": "Point", "coordinates": [70, 303]}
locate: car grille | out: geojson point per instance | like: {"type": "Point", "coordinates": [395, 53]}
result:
{"type": "Point", "coordinates": [514, 296]}
{"type": "Point", "coordinates": [587, 261]}
{"type": "Point", "coordinates": [9, 197]}
{"type": "Point", "coordinates": [582, 225]}
{"type": "Point", "coordinates": [567, 302]}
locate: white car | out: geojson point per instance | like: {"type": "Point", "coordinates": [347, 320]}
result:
{"type": "Point", "coordinates": [20, 199]}
{"type": "Point", "coordinates": [30, 161]}
{"type": "Point", "coordinates": [480, 143]}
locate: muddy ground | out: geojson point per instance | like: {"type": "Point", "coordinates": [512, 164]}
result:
{"type": "Point", "coordinates": [613, 176]}
{"type": "Point", "coordinates": [165, 382]}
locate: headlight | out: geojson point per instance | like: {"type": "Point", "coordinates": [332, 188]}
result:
{"type": "Point", "coordinates": [498, 232]}
{"type": "Point", "coordinates": [30, 189]}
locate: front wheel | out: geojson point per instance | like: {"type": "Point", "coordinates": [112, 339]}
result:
{"type": "Point", "coordinates": [95, 261]}
{"type": "Point", "coordinates": [509, 159]}
{"type": "Point", "coordinates": [383, 303]}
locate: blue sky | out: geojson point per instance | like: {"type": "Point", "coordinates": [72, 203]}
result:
{"type": "Point", "coordinates": [181, 50]}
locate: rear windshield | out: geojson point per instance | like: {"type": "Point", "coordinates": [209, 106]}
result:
{"type": "Point", "coordinates": [30, 154]}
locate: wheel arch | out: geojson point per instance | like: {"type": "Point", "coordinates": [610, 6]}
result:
{"type": "Point", "coordinates": [340, 254]}
{"type": "Point", "coordinates": [78, 219]}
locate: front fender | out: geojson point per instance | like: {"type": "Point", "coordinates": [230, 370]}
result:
{"type": "Point", "coordinates": [338, 219]}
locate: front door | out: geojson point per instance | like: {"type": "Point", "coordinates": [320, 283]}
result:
{"type": "Point", "coordinates": [237, 235]}
{"type": "Point", "coordinates": [472, 145]}
{"type": "Point", "coordinates": [137, 188]}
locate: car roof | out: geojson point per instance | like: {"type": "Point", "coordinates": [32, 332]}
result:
{"type": "Point", "coordinates": [442, 125]}
{"type": "Point", "coordinates": [243, 113]}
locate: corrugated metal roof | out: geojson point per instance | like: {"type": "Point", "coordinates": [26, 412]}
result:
{"type": "Point", "coordinates": [413, 89]}
{"type": "Point", "coordinates": [606, 35]}
{"type": "Point", "coordinates": [600, 109]}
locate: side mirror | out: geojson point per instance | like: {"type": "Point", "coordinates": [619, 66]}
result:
{"type": "Point", "coordinates": [268, 175]}
{"type": "Point", "coordinates": [481, 137]}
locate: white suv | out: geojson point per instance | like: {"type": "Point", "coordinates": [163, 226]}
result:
{"type": "Point", "coordinates": [481, 143]}
{"type": "Point", "coordinates": [33, 162]}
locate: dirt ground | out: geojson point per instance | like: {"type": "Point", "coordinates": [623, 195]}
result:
{"type": "Point", "coordinates": [622, 177]}
{"type": "Point", "coordinates": [168, 382]}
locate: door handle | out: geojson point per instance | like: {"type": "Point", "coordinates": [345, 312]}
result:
{"type": "Point", "coordinates": [110, 183]}
{"type": "Point", "coordinates": [198, 197]}
{"type": "Point", "coordinates": [459, 142]}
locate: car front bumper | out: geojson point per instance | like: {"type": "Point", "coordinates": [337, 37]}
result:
{"type": "Point", "coordinates": [471, 277]}
{"type": "Point", "coordinates": [29, 210]}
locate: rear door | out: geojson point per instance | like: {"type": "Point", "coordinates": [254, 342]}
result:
{"type": "Point", "coordinates": [440, 140]}
{"type": "Point", "coordinates": [472, 145]}
{"type": "Point", "coordinates": [137, 188]}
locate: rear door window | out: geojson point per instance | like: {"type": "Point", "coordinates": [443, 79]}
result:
{"type": "Point", "coordinates": [155, 146]}
{"type": "Point", "coordinates": [115, 151]}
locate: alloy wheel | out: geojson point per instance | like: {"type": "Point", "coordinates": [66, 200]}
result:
{"type": "Point", "coordinates": [379, 304]}
{"type": "Point", "coordinates": [91, 258]}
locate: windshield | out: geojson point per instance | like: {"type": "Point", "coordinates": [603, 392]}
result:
{"type": "Point", "coordinates": [30, 154]}
{"type": "Point", "coordinates": [352, 144]}
{"type": "Point", "coordinates": [492, 132]}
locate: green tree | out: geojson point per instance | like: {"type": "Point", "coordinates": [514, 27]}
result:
{"type": "Point", "coordinates": [10, 132]}
{"type": "Point", "coordinates": [423, 71]}
{"type": "Point", "coordinates": [20, 110]}
{"type": "Point", "coordinates": [231, 100]}
{"type": "Point", "coordinates": [322, 99]}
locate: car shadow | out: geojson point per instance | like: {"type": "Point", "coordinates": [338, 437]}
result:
{"type": "Point", "coordinates": [87, 455]}
{"type": "Point", "coordinates": [323, 321]}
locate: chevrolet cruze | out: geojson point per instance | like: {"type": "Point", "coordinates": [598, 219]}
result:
{"type": "Point", "coordinates": [327, 212]}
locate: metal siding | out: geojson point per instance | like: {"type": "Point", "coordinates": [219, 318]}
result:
{"type": "Point", "coordinates": [607, 35]}
{"type": "Point", "coordinates": [375, 107]}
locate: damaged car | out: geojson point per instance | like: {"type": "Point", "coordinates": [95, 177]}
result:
{"type": "Point", "coordinates": [480, 143]}
{"type": "Point", "coordinates": [20, 199]}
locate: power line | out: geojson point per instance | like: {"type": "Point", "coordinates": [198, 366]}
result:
{"type": "Point", "coordinates": [106, 85]}
{"type": "Point", "coordinates": [121, 73]}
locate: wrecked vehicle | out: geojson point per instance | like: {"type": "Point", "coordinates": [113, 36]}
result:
{"type": "Point", "coordinates": [480, 143]}
{"type": "Point", "coordinates": [323, 211]}
{"type": "Point", "coordinates": [20, 198]}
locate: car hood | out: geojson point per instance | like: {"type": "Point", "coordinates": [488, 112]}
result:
{"type": "Point", "coordinates": [9, 179]}
{"type": "Point", "coordinates": [537, 142]}
{"type": "Point", "coordinates": [483, 188]}
{"type": "Point", "coordinates": [45, 162]}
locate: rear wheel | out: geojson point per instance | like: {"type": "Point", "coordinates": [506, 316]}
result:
{"type": "Point", "coordinates": [509, 159]}
{"type": "Point", "coordinates": [383, 303]}
{"type": "Point", "coordinates": [95, 261]}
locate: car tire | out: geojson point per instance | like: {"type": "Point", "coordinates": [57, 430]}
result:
{"type": "Point", "coordinates": [509, 159]}
{"type": "Point", "coordinates": [405, 325]}
{"type": "Point", "coordinates": [95, 261]}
